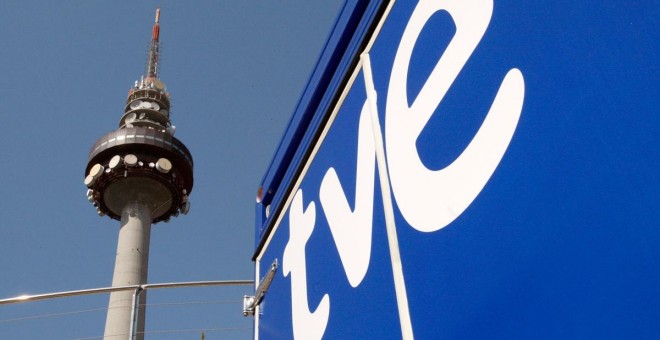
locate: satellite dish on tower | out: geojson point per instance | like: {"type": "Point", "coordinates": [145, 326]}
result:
{"type": "Point", "coordinates": [130, 118]}
{"type": "Point", "coordinates": [185, 208]}
{"type": "Point", "coordinates": [89, 180]}
{"type": "Point", "coordinates": [136, 104]}
{"type": "Point", "coordinates": [164, 165]}
{"type": "Point", "coordinates": [114, 162]}
{"type": "Point", "coordinates": [130, 160]}
{"type": "Point", "coordinates": [96, 170]}
{"type": "Point", "coordinates": [159, 84]}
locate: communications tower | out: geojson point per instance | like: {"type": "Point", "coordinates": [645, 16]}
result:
{"type": "Point", "coordinates": [138, 174]}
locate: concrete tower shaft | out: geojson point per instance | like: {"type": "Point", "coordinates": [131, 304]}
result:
{"type": "Point", "coordinates": [130, 268]}
{"type": "Point", "coordinates": [138, 174]}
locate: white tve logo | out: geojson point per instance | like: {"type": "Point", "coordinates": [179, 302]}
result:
{"type": "Point", "coordinates": [428, 199]}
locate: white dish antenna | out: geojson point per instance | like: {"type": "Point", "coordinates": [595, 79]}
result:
{"type": "Point", "coordinates": [130, 118]}
{"type": "Point", "coordinates": [130, 160]}
{"type": "Point", "coordinates": [159, 84]}
{"type": "Point", "coordinates": [114, 162]}
{"type": "Point", "coordinates": [96, 170]}
{"type": "Point", "coordinates": [164, 165]}
{"type": "Point", "coordinates": [185, 208]}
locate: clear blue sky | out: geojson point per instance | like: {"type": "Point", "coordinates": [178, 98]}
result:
{"type": "Point", "coordinates": [235, 70]}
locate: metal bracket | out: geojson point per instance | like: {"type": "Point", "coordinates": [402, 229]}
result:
{"type": "Point", "coordinates": [250, 303]}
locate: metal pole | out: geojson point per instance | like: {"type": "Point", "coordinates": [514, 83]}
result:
{"type": "Point", "coordinates": [390, 227]}
{"type": "Point", "coordinates": [134, 313]}
{"type": "Point", "coordinates": [91, 291]}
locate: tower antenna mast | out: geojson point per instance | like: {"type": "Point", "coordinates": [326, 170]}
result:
{"type": "Point", "coordinates": [152, 62]}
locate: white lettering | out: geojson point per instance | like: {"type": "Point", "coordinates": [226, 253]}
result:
{"type": "Point", "coordinates": [306, 324]}
{"type": "Point", "coordinates": [429, 200]}
{"type": "Point", "coordinates": [351, 230]}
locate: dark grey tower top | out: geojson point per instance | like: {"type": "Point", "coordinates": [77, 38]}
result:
{"type": "Point", "coordinates": [141, 161]}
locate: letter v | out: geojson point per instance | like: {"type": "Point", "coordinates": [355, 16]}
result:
{"type": "Point", "coordinates": [352, 230]}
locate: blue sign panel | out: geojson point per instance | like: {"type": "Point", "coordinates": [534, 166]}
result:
{"type": "Point", "coordinates": [474, 169]}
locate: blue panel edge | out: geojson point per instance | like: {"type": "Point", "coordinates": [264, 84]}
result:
{"type": "Point", "coordinates": [352, 27]}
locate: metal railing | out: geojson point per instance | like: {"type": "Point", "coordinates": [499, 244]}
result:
{"type": "Point", "coordinates": [137, 289]}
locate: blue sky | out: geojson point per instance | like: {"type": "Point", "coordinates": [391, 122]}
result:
{"type": "Point", "coordinates": [235, 70]}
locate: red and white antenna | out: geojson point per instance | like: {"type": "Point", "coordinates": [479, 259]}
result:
{"type": "Point", "coordinates": [152, 62]}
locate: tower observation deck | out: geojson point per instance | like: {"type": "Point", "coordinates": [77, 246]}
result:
{"type": "Point", "coordinates": [139, 174]}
